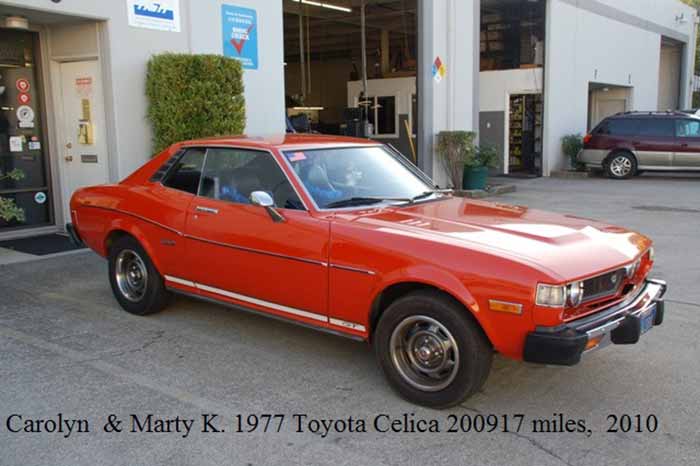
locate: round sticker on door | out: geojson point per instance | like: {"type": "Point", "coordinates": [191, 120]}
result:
{"type": "Point", "coordinates": [40, 198]}
{"type": "Point", "coordinates": [23, 99]}
{"type": "Point", "coordinates": [25, 114]}
{"type": "Point", "coordinates": [23, 85]}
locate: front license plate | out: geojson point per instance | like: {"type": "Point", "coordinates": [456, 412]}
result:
{"type": "Point", "coordinates": [648, 320]}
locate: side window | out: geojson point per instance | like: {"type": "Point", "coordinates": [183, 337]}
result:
{"type": "Point", "coordinates": [657, 127]}
{"type": "Point", "coordinates": [186, 173]}
{"type": "Point", "coordinates": [688, 128]}
{"type": "Point", "coordinates": [622, 127]}
{"type": "Point", "coordinates": [233, 174]}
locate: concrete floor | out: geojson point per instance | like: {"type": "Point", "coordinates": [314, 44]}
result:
{"type": "Point", "coordinates": [66, 347]}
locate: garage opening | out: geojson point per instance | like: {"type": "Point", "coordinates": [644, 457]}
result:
{"type": "Point", "coordinates": [512, 82]}
{"type": "Point", "coordinates": [670, 71]}
{"type": "Point", "coordinates": [605, 100]}
{"type": "Point", "coordinates": [350, 69]}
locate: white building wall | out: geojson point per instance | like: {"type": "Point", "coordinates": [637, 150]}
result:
{"type": "Point", "coordinates": [495, 87]}
{"type": "Point", "coordinates": [451, 32]}
{"type": "Point", "coordinates": [126, 51]}
{"type": "Point", "coordinates": [584, 46]}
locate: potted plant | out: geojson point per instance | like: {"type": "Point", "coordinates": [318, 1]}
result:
{"type": "Point", "coordinates": [455, 148]}
{"type": "Point", "coordinates": [476, 168]}
{"type": "Point", "coordinates": [571, 145]}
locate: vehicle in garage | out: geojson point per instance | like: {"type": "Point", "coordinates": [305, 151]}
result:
{"type": "Point", "coordinates": [628, 143]}
{"type": "Point", "coordinates": [346, 236]}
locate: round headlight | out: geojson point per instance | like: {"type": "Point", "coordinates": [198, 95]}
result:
{"type": "Point", "coordinates": [574, 294]}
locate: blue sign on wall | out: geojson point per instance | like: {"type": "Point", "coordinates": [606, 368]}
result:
{"type": "Point", "coordinates": [240, 34]}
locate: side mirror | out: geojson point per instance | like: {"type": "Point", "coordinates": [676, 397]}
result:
{"type": "Point", "coordinates": [262, 199]}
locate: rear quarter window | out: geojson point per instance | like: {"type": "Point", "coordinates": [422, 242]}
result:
{"type": "Point", "coordinates": [618, 127]}
{"type": "Point", "coordinates": [657, 127]}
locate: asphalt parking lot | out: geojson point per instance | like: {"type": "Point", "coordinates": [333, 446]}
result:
{"type": "Point", "coordinates": [66, 347]}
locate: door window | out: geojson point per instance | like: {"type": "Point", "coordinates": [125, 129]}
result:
{"type": "Point", "coordinates": [233, 174]}
{"type": "Point", "coordinates": [187, 172]}
{"type": "Point", "coordinates": [25, 192]}
{"type": "Point", "coordinates": [688, 128]}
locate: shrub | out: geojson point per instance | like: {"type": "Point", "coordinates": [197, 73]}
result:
{"type": "Point", "coordinates": [456, 149]}
{"type": "Point", "coordinates": [8, 209]}
{"type": "Point", "coordinates": [486, 155]}
{"type": "Point", "coordinates": [571, 145]}
{"type": "Point", "coordinates": [194, 96]}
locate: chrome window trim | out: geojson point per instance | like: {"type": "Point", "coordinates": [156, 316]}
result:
{"type": "Point", "coordinates": [353, 208]}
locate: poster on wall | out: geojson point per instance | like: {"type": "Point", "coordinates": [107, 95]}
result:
{"type": "Point", "coordinates": [240, 34]}
{"type": "Point", "coordinates": [162, 15]}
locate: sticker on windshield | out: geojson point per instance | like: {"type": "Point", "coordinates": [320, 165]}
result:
{"type": "Point", "coordinates": [296, 157]}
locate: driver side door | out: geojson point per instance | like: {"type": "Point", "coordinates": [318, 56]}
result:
{"type": "Point", "coordinates": [237, 253]}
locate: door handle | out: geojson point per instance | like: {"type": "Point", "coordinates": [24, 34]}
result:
{"type": "Point", "coordinates": [208, 210]}
{"type": "Point", "coordinates": [68, 158]}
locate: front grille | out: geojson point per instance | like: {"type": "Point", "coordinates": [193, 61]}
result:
{"type": "Point", "coordinates": [603, 285]}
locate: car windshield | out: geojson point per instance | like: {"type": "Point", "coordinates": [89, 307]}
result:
{"type": "Point", "coordinates": [347, 177]}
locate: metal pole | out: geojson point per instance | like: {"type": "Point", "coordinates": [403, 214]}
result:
{"type": "Point", "coordinates": [302, 58]}
{"type": "Point", "coordinates": [365, 107]}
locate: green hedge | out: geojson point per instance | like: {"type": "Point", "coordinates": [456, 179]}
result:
{"type": "Point", "coordinates": [194, 96]}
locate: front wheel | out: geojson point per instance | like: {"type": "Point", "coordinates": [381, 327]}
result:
{"type": "Point", "coordinates": [431, 350]}
{"type": "Point", "coordinates": [621, 165]}
{"type": "Point", "coordinates": [136, 284]}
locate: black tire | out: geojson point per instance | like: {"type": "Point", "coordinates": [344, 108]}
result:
{"type": "Point", "coordinates": [473, 350]}
{"type": "Point", "coordinates": [128, 257]}
{"type": "Point", "coordinates": [621, 165]}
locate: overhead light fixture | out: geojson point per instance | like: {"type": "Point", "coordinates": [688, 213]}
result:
{"type": "Point", "coordinates": [329, 6]}
{"type": "Point", "coordinates": [306, 109]}
{"type": "Point", "coordinates": [16, 22]}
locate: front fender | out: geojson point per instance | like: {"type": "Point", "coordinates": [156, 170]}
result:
{"type": "Point", "coordinates": [441, 279]}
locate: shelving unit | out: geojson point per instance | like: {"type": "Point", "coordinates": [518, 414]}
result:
{"type": "Point", "coordinates": [525, 133]}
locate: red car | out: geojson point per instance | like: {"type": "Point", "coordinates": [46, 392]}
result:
{"type": "Point", "coordinates": [346, 236]}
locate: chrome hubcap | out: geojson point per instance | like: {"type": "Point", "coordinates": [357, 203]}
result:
{"type": "Point", "coordinates": [131, 274]}
{"type": "Point", "coordinates": [425, 353]}
{"type": "Point", "coordinates": [621, 166]}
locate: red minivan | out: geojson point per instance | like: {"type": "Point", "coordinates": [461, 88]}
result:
{"type": "Point", "coordinates": [626, 144]}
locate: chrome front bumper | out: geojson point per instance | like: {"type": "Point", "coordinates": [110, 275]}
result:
{"type": "Point", "coordinates": [622, 324]}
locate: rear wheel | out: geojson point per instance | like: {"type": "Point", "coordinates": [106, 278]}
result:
{"type": "Point", "coordinates": [431, 350]}
{"type": "Point", "coordinates": [621, 165]}
{"type": "Point", "coordinates": [136, 284]}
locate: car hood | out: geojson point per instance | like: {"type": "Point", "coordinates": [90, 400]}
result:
{"type": "Point", "coordinates": [563, 246]}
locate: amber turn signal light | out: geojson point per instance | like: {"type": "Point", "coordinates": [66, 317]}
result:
{"type": "Point", "coordinates": [593, 342]}
{"type": "Point", "coordinates": [502, 306]}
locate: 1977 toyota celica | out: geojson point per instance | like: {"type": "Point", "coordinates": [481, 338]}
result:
{"type": "Point", "coordinates": [346, 236]}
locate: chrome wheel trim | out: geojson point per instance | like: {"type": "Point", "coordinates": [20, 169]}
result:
{"type": "Point", "coordinates": [131, 275]}
{"type": "Point", "coordinates": [424, 353]}
{"type": "Point", "coordinates": [621, 166]}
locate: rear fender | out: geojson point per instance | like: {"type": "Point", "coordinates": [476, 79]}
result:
{"type": "Point", "coordinates": [133, 229]}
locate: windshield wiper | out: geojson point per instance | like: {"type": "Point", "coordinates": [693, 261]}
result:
{"type": "Point", "coordinates": [357, 201]}
{"type": "Point", "coordinates": [425, 194]}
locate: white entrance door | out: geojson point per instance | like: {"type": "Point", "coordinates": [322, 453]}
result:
{"type": "Point", "coordinates": [83, 160]}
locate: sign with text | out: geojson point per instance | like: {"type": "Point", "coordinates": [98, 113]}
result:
{"type": "Point", "coordinates": [240, 34]}
{"type": "Point", "coordinates": [162, 15]}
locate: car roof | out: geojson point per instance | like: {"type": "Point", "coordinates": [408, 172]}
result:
{"type": "Point", "coordinates": [661, 115]}
{"type": "Point", "coordinates": [289, 141]}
